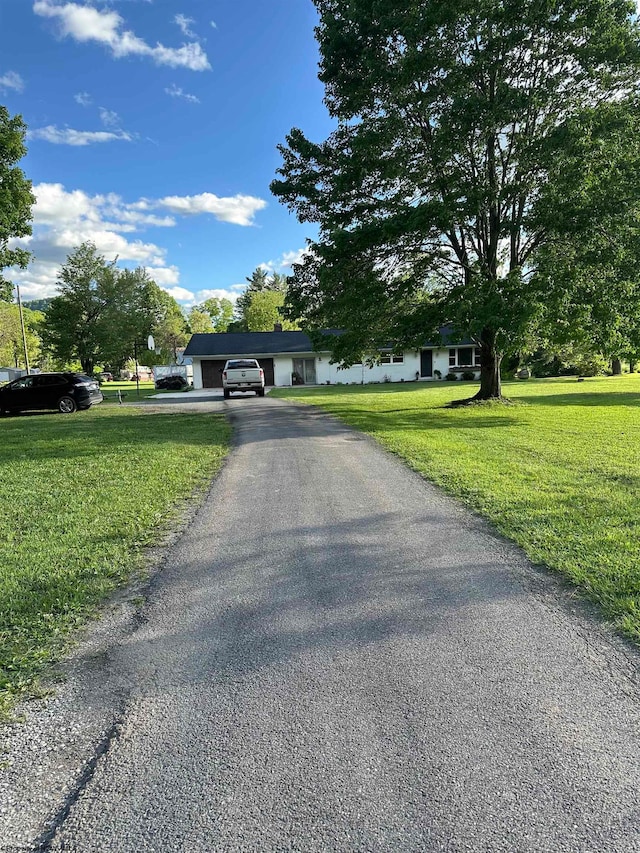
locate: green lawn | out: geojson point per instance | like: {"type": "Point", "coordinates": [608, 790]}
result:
{"type": "Point", "coordinates": [558, 471]}
{"type": "Point", "coordinates": [79, 495]}
{"type": "Point", "coordinates": [129, 391]}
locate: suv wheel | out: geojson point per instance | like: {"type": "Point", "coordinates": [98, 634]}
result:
{"type": "Point", "coordinates": [66, 405]}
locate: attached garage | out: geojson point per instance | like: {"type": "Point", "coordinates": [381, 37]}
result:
{"type": "Point", "coordinates": [212, 371]}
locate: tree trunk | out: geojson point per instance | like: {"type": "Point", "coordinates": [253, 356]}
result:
{"type": "Point", "coordinates": [616, 367]}
{"type": "Point", "coordinates": [87, 365]}
{"type": "Point", "coordinates": [632, 366]}
{"type": "Point", "coordinates": [490, 360]}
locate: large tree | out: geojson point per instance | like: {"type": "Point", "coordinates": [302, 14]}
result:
{"type": "Point", "coordinates": [589, 265]}
{"type": "Point", "coordinates": [264, 312]}
{"type": "Point", "coordinates": [426, 192]}
{"type": "Point", "coordinates": [101, 312]}
{"type": "Point", "coordinates": [219, 311]}
{"type": "Point", "coordinates": [168, 322]}
{"type": "Point", "coordinates": [16, 197]}
{"type": "Point", "coordinates": [259, 281]}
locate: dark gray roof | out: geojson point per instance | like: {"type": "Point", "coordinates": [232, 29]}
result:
{"type": "Point", "coordinates": [271, 343]}
{"type": "Point", "coordinates": [248, 343]}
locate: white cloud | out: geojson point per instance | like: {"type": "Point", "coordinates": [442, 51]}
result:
{"type": "Point", "coordinates": [285, 262]}
{"type": "Point", "coordinates": [63, 219]}
{"type": "Point", "coordinates": [164, 275]}
{"type": "Point", "coordinates": [69, 136]}
{"type": "Point", "coordinates": [177, 92]}
{"type": "Point", "coordinates": [185, 25]}
{"type": "Point", "coordinates": [219, 293]}
{"type": "Point", "coordinates": [109, 118]}
{"type": "Point", "coordinates": [238, 209]}
{"type": "Point", "coordinates": [11, 80]}
{"type": "Point", "coordinates": [87, 24]}
{"type": "Point", "coordinates": [83, 98]}
{"type": "Point", "coordinates": [180, 293]}
{"type": "Point", "coordinates": [214, 25]}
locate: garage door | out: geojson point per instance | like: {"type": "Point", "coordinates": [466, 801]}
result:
{"type": "Point", "coordinates": [212, 371]}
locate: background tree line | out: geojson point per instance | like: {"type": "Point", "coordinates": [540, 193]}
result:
{"type": "Point", "coordinates": [103, 314]}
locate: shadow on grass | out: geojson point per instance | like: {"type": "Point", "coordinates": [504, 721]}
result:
{"type": "Point", "coordinates": [594, 399]}
{"type": "Point", "coordinates": [97, 433]}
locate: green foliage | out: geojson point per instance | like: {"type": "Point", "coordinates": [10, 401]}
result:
{"type": "Point", "coordinates": [213, 315]}
{"type": "Point", "coordinates": [167, 323]}
{"type": "Point", "coordinates": [11, 343]}
{"type": "Point", "coordinates": [557, 472]}
{"type": "Point", "coordinates": [76, 509]}
{"type": "Point", "coordinates": [41, 305]}
{"type": "Point", "coordinates": [102, 312]}
{"type": "Point", "coordinates": [259, 282]}
{"type": "Point", "coordinates": [590, 208]}
{"type": "Point", "coordinates": [199, 321]}
{"type": "Point", "coordinates": [16, 197]}
{"type": "Point", "coordinates": [426, 192]}
{"type": "Point", "coordinates": [263, 312]}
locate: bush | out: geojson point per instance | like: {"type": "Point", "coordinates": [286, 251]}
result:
{"type": "Point", "coordinates": [437, 374]}
{"type": "Point", "coordinates": [451, 377]}
{"type": "Point", "coordinates": [468, 375]}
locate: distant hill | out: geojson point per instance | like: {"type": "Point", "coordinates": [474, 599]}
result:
{"type": "Point", "coordinates": [37, 304]}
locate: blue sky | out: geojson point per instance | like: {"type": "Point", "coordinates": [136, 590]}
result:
{"type": "Point", "coordinates": [153, 127]}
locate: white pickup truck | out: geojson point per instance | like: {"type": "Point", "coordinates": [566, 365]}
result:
{"type": "Point", "coordinates": [242, 374]}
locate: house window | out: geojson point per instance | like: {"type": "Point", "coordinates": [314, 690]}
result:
{"type": "Point", "coordinates": [464, 357]}
{"type": "Point", "coordinates": [392, 359]}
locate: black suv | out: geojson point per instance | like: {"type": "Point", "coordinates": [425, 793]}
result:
{"type": "Point", "coordinates": [65, 392]}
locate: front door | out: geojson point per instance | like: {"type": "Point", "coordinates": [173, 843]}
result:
{"type": "Point", "coordinates": [426, 363]}
{"type": "Point", "coordinates": [304, 371]}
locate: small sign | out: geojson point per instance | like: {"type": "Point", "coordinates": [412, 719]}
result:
{"type": "Point", "coordinates": [151, 344]}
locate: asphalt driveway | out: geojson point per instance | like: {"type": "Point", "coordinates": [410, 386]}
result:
{"type": "Point", "coordinates": [335, 657]}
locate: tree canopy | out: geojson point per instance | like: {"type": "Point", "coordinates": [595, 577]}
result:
{"type": "Point", "coordinates": [102, 312]}
{"type": "Point", "coordinates": [260, 281]}
{"type": "Point", "coordinates": [11, 343]}
{"type": "Point", "coordinates": [213, 315]}
{"type": "Point", "coordinates": [264, 312]}
{"type": "Point", "coordinates": [16, 197]}
{"type": "Point", "coordinates": [449, 122]}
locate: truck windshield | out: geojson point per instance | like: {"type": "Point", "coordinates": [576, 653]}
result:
{"type": "Point", "coordinates": [242, 364]}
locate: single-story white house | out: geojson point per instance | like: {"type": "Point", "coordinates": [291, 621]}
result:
{"type": "Point", "coordinates": [288, 358]}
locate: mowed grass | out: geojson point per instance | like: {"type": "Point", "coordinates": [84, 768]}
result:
{"type": "Point", "coordinates": [558, 472]}
{"type": "Point", "coordinates": [80, 495]}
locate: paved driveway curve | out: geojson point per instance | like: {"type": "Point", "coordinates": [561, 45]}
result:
{"type": "Point", "coordinates": [337, 657]}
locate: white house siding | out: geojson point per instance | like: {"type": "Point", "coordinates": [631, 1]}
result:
{"type": "Point", "coordinates": [331, 373]}
{"type": "Point", "coordinates": [282, 369]}
{"type": "Point", "coordinates": [197, 373]}
{"type": "Point", "coordinates": [441, 361]}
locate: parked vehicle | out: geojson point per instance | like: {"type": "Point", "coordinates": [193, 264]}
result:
{"type": "Point", "coordinates": [242, 374]}
{"type": "Point", "coordinates": [173, 382]}
{"type": "Point", "coordinates": [65, 392]}
{"type": "Point", "coordinates": [105, 377]}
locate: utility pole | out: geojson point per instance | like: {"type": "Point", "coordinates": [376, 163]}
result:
{"type": "Point", "coordinates": [24, 334]}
